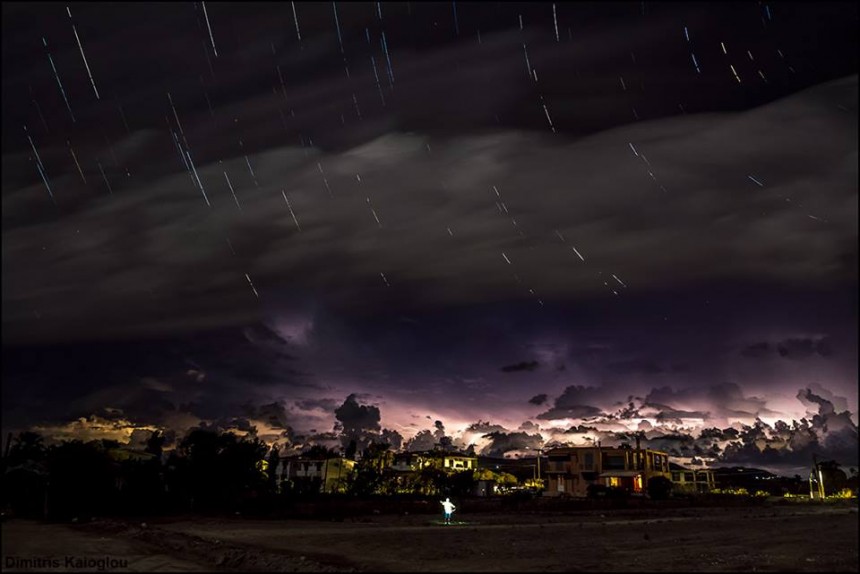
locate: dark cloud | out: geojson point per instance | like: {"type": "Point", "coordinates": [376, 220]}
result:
{"type": "Point", "coordinates": [573, 403]}
{"type": "Point", "coordinates": [214, 291]}
{"type": "Point", "coordinates": [666, 413]}
{"type": "Point", "coordinates": [580, 429]}
{"type": "Point", "coordinates": [360, 424]}
{"type": "Point", "coordinates": [391, 438]}
{"type": "Point", "coordinates": [422, 441]}
{"type": "Point", "coordinates": [356, 418]}
{"type": "Point", "coordinates": [723, 402]}
{"type": "Point", "coordinates": [804, 348]}
{"type": "Point", "coordinates": [757, 350]}
{"type": "Point", "coordinates": [486, 427]}
{"type": "Point", "coordinates": [501, 443]}
{"type": "Point", "coordinates": [232, 423]}
{"type": "Point", "coordinates": [829, 434]}
{"type": "Point", "coordinates": [628, 411]}
{"type": "Point", "coordinates": [274, 414]}
{"type": "Point", "coordinates": [794, 348]}
{"type": "Point", "coordinates": [442, 439]}
{"type": "Point", "coordinates": [574, 412]}
{"type": "Point", "coordinates": [816, 394]}
{"type": "Point", "coordinates": [522, 366]}
{"type": "Point", "coordinates": [539, 399]}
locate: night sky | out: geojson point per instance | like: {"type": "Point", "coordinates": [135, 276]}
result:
{"type": "Point", "coordinates": [511, 224]}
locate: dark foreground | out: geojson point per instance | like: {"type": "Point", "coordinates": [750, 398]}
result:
{"type": "Point", "coordinates": [771, 538]}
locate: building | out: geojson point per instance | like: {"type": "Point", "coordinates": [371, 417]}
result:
{"type": "Point", "coordinates": [425, 472]}
{"type": "Point", "coordinates": [571, 470]}
{"type": "Point", "coordinates": [525, 469]}
{"type": "Point", "coordinates": [439, 460]}
{"type": "Point", "coordinates": [690, 481]}
{"type": "Point", "coordinates": [315, 474]}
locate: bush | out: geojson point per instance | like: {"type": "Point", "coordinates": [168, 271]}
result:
{"type": "Point", "coordinates": [844, 493]}
{"type": "Point", "coordinates": [596, 491]}
{"type": "Point", "coordinates": [617, 493]}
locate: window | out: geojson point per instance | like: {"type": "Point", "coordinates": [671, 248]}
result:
{"type": "Point", "coordinates": [688, 477]}
{"type": "Point", "coordinates": [588, 463]}
{"type": "Point", "coordinates": [676, 477]}
{"type": "Point", "coordinates": [613, 462]}
{"type": "Point", "coordinates": [613, 481]}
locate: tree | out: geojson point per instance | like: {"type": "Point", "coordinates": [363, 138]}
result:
{"type": "Point", "coordinates": [351, 449]}
{"type": "Point", "coordinates": [202, 475]}
{"type": "Point", "coordinates": [82, 479]}
{"type": "Point", "coordinates": [241, 464]}
{"type": "Point", "coordinates": [462, 483]}
{"type": "Point", "coordinates": [432, 480]}
{"type": "Point", "coordinates": [25, 476]}
{"type": "Point", "coordinates": [369, 476]}
{"type": "Point", "coordinates": [485, 474]}
{"type": "Point", "coordinates": [28, 446]}
{"type": "Point", "coordinates": [155, 444]}
{"type": "Point", "coordinates": [220, 469]}
{"type": "Point", "coordinates": [272, 460]}
{"type": "Point", "coordinates": [659, 487]}
{"type": "Point", "coordinates": [506, 479]}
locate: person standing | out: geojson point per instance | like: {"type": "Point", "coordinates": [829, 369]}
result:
{"type": "Point", "coordinates": [449, 509]}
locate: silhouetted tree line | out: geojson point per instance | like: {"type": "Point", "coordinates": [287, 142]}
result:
{"type": "Point", "coordinates": [207, 472]}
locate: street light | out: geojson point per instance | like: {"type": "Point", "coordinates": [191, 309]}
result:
{"type": "Point", "coordinates": [539, 452]}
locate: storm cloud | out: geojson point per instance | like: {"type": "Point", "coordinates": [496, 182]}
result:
{"type": "Point", "coordinates": [447, 191]}
{"type": "Point", "coordinates": [538, 399]}
{"type": "Point", "coordinates": [522, 366]}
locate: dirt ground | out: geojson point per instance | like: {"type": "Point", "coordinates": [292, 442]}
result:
{"type": "Point", "coordinates": [772, 538]}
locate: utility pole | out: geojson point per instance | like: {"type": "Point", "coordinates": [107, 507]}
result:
{"type": "Point", "coordinates": [540, 451]}
{"type": "Point", "coordinates": [325, 475]}
{"type": "Point", "coordinates": [8, 445]}
{"type": "Point", "coordinates": [821, 492]}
